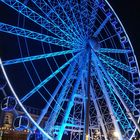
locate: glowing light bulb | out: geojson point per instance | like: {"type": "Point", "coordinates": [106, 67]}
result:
{"type": "Point", "coordinates": [116, 134]}
{"type": "Point", "coordinates": [86, 137]}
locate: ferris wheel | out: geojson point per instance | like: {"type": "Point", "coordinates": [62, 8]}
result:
{"type": "Point", "coordinates": [74, 61]}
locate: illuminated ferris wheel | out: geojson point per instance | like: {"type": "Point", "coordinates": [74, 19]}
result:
{"type": "Point", "coordinates": [74, 61]}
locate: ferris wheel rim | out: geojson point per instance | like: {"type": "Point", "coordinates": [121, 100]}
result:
{"type": "Point", "coordinates": [130, 46]}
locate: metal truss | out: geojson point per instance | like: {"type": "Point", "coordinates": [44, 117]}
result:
{"type": "Point", "coordinates": [33, 35]}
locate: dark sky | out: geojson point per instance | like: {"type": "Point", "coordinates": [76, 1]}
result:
{"type": "Point", "coordinates": [129, 13]}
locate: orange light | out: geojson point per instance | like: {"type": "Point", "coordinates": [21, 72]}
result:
{"type": "Point", "coordinates": [116, 134]}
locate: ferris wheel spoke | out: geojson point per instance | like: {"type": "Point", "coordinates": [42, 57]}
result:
{"type": "Point", "coordinates": [111, 50]}
{"type": "Point", "coordinates": [92, 21]}
{"type": "Point", "coordinates": [45, 109]}
{"type": "Point", "coordinates": [92, 14]}
{"type": "Point", "coordinates": [35, 17]}
{"type": "Point", "coordinates": [105, 92]}
{"type": "Point", "coordinates": [63, 94]}
{"type": "Point", "coordinates": [76, 14]}
{"type": "Point", "coordinates": [125, 97]}
{"type": "Point", "coordinates": [85, 15]}
{"type": "Point", "coordinates": [92, 17]}
{"type": "Point", "coordinates": [37, 57]}
{"type": "Point", "coordinates": [33, 35]}
{"type": "Point", "coordinates": [99, 29]}
{"type": "Point", "coordinates": [28, 95]}
{"type": "Point", "coordinates": [73, 16]}
{"type": "Point", "coordinates": [70, 103]}
{"type": "Point", "coordinates": [78, 17]}
{"type": "Point", "coordinates": [119, 112]}
{"type": "Point", "coordinates": [60, 7]}
{"type": "Point", "coordinates": [121, 79]}
{"type": "Point", "coordinates": [55, 18]}
{"type": "Point", "coordinates": [95, 7]}
{"type": "Point", "coordinates": [107, 75]}
{"type": "Point", "coordinates": [112, 36]}
{"type": "Point", "coordinates": [94, 98]}
{"type": "Point", "coordinates": [113, 62]}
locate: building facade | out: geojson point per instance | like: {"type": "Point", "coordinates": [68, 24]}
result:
{"type": "Point", "coordinates": [7, 130]}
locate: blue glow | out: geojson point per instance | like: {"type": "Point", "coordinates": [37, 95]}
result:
{"type": "Point", "coordinates": [28, 95]}
{"type": "Point", "coordinates": [37, 57]}
{"type": "Point", "coordinates": [73, 24]}
{"type": "Point", "coordinates": [121, 79]}
{"type": "Point", "coordinates": [29, 13]}
{"type": "Point", "coordinates": [108, 50]}
{"type": "Point", "coordinates": [34, 35]}
{"type": "Point", "coordinates": [57, 20]}
{"type": "Point", "coordinates": [113, 62]}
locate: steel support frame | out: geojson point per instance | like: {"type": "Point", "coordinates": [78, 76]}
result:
{"type": "Point", "coordinates": [93, 122]}
{"type": "Point", "coordinates": [117, 93]}
{"type": "Point", "coordinates": [113, 62]}
{"type": "Point", "coordinates": [87, 98]}
{"type": "Point", "coordinates": [54, 114]}
{"type": "Point", "coordinates": [126, 124]}
{"type": "Point", "coordinates": [100, 77]}
{"type": "Point", "coordinates": [38, 19]}
{"type": "Point", "coordinates": [94, 99]}
{"type": "Point", "coordinates": [37, 57]}
{"type": "Point", "coordinates": [40, 85]}
{"type": "Point", "coordinates": [45, 109]}
{"type": "Point", "coordinates": [68, 18]}
{"type": "Point", "coordinates": [71, 100]}
{"type": "Point", "coordinates": [103, 107]}
{"type": "Point", "coordinates": [78, 110]}
{"type": "Point", "coordinates": [44, 7]}
{"type": "Point", "coordinates": [34, 35]}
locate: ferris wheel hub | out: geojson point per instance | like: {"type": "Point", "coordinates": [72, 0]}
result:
{"type": "Point", "coordinates": [94, 44]}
